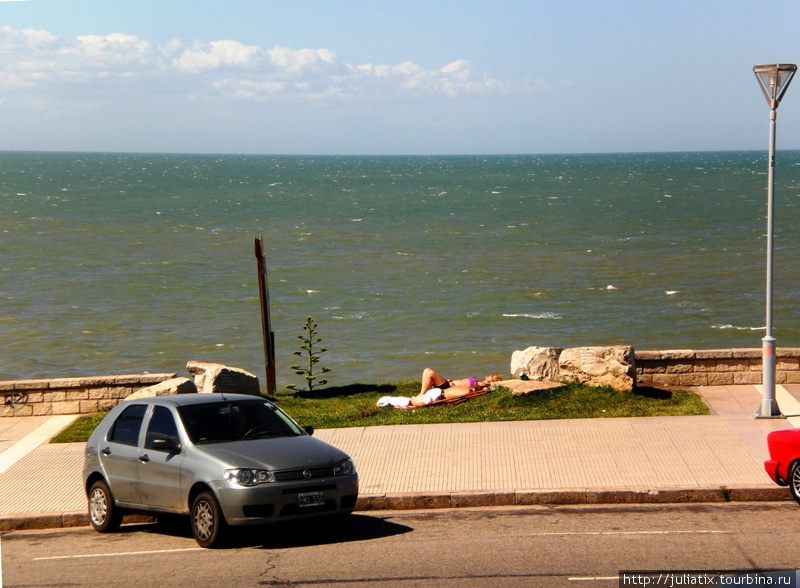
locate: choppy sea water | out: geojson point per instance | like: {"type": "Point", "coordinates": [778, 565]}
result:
{"type": "Point", "coordinates": [118, 263]}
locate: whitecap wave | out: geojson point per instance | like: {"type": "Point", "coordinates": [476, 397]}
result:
{"type": "Point", "coordinates": [543, 315]}
{"type": "Point", "coordinates": [734, 327]}
{"type": "Point", "coordinates": [355, 316]}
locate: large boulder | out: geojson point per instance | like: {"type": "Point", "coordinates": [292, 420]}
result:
{"type": "Point", "coordinates": [536, 363]}
{"type": "Point", "coordinates": [613, 366]}
{"type": "Point", "coordinates": [165, 388]}
{"type": "Point", "coordinates": [215, 377]}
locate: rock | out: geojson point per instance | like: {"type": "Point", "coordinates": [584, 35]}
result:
{"type": "Point", "coordinates": [165, 388]}
{"type": "Point", "coordinates": [613, 366]}
{"type": "Point", "coordinates": [536, 363]}
{"type": "Point", "coordinates": [520, 387]}
{"type": "Point", "coordinates": [215, 377]}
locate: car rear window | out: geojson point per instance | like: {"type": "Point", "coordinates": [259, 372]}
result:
{"type": "Point", "coordinates": [235, 421]}
{"type": "Point", "coordinates": [127, 426]}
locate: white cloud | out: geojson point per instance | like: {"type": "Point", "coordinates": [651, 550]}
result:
{"type": "Point", "coordinates": [218, 55]}
{"type": "Point", "coordinates": [38, 59]}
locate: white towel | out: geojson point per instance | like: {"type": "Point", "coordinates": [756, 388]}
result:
{"type": "Point", "coordinates": [396, 401]}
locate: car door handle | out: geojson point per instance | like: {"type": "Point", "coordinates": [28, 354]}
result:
{"type": "Point", "coordinates": [106, 451]}
{"type": "Point", "coordinates": [145, 458]}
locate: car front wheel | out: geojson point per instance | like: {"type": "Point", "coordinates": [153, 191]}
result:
{"type": "Point", "coordinates": [794, 480]}
{"type": "Point", "coordinates": [103, 513]}
{"type": "Point", "coordinates": [208, 522]}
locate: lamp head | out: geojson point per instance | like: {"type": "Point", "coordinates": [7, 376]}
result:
{"type": "Point", "coordinates": [774, 79]}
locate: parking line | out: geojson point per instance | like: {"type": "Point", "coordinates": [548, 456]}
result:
{"type": "Point", "coordinates": [118, 554]}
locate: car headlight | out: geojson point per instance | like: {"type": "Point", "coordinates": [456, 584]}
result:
{"type": "Point", "coordinates": [345, 468]}
{"type": "Point", "coordinates": [245, 477]}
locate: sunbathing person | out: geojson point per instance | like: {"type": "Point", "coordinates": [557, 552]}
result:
{"type": "Point", "coordinates": [432, 379]}
{"type": "Point", "coordinates": [436, 388]}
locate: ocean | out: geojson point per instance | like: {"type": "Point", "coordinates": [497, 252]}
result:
{"type": "Point", "coordinates": [126, 263]}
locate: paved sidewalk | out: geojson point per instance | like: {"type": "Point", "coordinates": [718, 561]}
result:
{"type": "Point", "coordinates": [650, 459]}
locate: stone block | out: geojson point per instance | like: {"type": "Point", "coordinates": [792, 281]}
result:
{"type": "Point", "coordinates": [652, 367]}
{"type": "Point", "coordinates": [536, 363]}
{"type": "Point", "coordinates": [714, 354]}
{"type": "Point", "coordinates": [106, 404]}
{"type": "Point", "coordinates": [647, 356]}
{"type": "Point", "coordinates": [42, 409]}
{"type": "Point", "coordinates": [72, 407]}
{"type": "Point", "coordinates": [34, 397]}
{"type": "Point", "coordinates": [613, 366]}
{"type": "Point", "coordinates": [747, 353]}
{"type": "Point", "coordinates": [22, 410]}
{"type": "Point", "coordinates": [88, 406]}
{"type": "Point", "coordinates": [166, 388]}
{"type": "Point", "coordinates": [733, 365]}
{"type": "Point", "coordinates": [696, 379]}
{"type": "Point", "coordinates": [705, 365]}
{"type": "Point", "coordinates": [30, 385]}
{"type": "Point", "coordinates": [680, 368]}
{"type": "Point", "coordinates": [55, 396]}
{"type": "Point", "coordinates": [77, 395]}
{"type": "Point", "coordinates": [793, 377]}
{"type": "Point", "coordinates": [218, 378]}
{"type": "Point", "coordinates": [718, 379]}
{"type": "Point", "coordinates": [666, 380]}
{"type": "Point", "coordinates": [747, 378]}
{"type": "Point", "coordinates": [787, 364]}
{"type": "Point", "coordinates": [675, 354]}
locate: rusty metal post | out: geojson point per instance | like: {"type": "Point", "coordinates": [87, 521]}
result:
{"type": "Point", "coordinates": [266, 325]}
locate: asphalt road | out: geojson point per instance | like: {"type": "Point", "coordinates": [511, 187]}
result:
{"type": "Point", "coordinates": [491, 547]}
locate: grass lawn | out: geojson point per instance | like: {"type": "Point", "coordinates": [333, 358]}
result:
{"type": "Point", "coordinates": [354, 406]}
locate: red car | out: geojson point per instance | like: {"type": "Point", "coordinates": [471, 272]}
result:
{"type": "Point", "coordinates": [784, 463]}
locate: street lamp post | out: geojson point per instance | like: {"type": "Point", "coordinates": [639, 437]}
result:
{"type": "Point", "coordinates": [774, 79]}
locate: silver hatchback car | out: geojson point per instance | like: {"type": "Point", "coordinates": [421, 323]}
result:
{"type": "Point", "coordinates": [224, 459]}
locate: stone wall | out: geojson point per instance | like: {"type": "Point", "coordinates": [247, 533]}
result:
{"type": "Point", "coordinates": [713, 367]}
{"type": "Point", "coordinates": [670, 368]}
{"type": "Point", "coordinates": [70, 395]}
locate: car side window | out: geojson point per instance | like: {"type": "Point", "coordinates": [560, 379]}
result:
{"type": "Point", "coordinates": [127, 426]}
{"type": "Point", "coordinates": [161, 426]}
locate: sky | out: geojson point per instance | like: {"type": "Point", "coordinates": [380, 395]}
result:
{"type": "Point", "coordinates": [400, 77]}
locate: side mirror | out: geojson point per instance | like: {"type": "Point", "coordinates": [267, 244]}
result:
{"type": "Point", "coordinates": [309, 429]}
{"type": "Point", "coordinates": [166, 445]}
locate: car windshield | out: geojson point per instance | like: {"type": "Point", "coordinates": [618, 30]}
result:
{"type": "Point", "coordinates": [235, 421]}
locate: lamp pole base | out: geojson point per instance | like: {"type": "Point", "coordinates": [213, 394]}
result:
{"type": "Point", "coordinates": [769, 406]}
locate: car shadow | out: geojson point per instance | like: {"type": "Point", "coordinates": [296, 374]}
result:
{"type": "Point", "coordinates": [286, 534]}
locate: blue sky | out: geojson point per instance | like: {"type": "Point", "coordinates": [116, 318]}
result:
{"type": "Point", "coordinates": [400, 77]}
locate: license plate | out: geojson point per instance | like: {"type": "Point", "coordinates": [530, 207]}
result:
{"type": "Point", "coordinates": [311, 499]}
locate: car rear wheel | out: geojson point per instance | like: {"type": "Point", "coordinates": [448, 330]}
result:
{"type": "Point", "coordinates": [794, 480]}
{"type": "Point", "coordinates": [208, 522]}
{"type": "Point", "coordinates": [103, 513]}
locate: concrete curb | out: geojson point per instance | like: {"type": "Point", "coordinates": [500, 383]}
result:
{"type": "Point", "coordinates": [598, 496]}
{"type": "Point", "coordinates": [452, 500]}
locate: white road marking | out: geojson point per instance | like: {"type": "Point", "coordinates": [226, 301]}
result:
{"type": "Point", "coordinates": [118, 554]}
